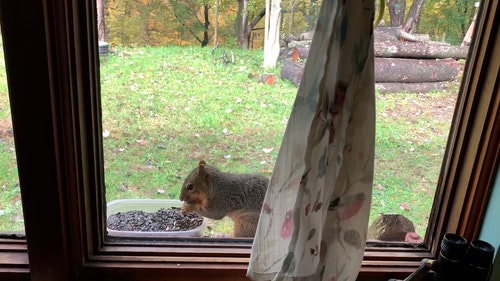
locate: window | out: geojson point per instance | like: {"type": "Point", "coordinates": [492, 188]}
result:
{"type": "Point", "coordinates": [11, 213]}
{"type": "Point", "coordinates": [161, 116]}
{"type": "Point", "coordinates": [51, 58]}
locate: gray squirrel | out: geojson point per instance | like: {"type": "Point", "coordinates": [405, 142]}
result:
{"type": "Point", "coordinates": [215, 194]}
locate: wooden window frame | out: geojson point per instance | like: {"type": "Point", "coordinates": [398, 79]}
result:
{"type": "Point", "coordinates": [52, 64]}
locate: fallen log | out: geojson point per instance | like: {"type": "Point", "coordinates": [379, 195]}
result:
{"type": "Point", "coordinates": [397, 49]}
{"type": "Point", "coordinates": [267, 78]}
{"type": "Point", "coordinates": [410, 87]}
{"type": "Point", "coordinates": [292, 71]}
{"type": "Point", "coordinates": [396, 33]}
{"type": "Point", "coordinates": [419, 50]}
{"type": "Point", "coordinates": [415, 71]}
{"type": "Point", "coordinates": [300, 52]}
{"type": "Point", "coordinates": [295, 53]}
{"type": "Point", "coordinates": [396, 74]}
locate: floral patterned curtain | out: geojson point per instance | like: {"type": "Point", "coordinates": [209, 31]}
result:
{"type": "Point", "coordinates": [315, 214]}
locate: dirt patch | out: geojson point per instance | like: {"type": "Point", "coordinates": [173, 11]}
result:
{"type": "Point", "coordinates": [6, 129]}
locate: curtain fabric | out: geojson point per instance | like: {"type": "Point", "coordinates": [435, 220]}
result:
{"type": "Point", "coordinates": [315, 215]}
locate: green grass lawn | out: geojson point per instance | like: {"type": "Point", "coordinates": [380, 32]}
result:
{"type": "Point", "coordinates": [166, 108]}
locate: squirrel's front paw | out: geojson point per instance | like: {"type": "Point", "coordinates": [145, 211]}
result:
{"type": "Point", "coordinates": [184, 209]}
{"type": "Point", "coordinates": [188, 208]}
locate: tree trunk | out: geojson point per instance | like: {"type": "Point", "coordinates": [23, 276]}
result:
{"type": "Point", "coordinates": [272, 33]}
{"type": "Point", "coordinates": [415, 71]}
{"type": "Point", "coordinates": [290, 16]}
{"type": "Point", "coordinates": [396, 11]}
{"type": "Point", "coordinates": [241, 25]}
{"type": "Point", "coordinates": [292, 71]}
{"type": "Point", "coordinates": [423, 87]}
{"type": "Point", "coordinates": [147, 24]}
{"type": "Point", "coordinates": [413, 16]}
{"type": "Point", "coordinates": [216, 22]}
{"type": "Point", "coordinates": [101, 27]}
{"type": "Point", "coordinates": [399, 49]}
{"type": "Point", "coordinates": [206, 24]}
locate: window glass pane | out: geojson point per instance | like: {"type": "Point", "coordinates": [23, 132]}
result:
{"type": "Point", "coordinates": [11, 212]}
{"type": "Point", "coordinates": [167, 108]}
{"type": "Point", "coordinates": [412, 131]}
{"type": "Point", "coordinates": [169, 103]}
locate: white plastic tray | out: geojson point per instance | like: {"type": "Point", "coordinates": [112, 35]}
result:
{"type": "Point", "coordinates": [148, 205]}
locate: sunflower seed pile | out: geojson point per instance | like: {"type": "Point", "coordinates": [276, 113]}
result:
{"type": "Point", "coordinates": [161, 220]}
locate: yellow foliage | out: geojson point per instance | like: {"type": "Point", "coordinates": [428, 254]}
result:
{"type": "Point", "coordinates": [171, 22]}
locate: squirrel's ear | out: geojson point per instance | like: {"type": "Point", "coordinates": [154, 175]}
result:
{"type": "Point", "coordinates": [201, 168]}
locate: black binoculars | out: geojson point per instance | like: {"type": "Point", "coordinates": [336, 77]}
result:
{"type": "Point", "coordinates": [458, 261]}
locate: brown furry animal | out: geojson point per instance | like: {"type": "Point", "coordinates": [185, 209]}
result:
{"type": "Point", "coordinates": [215, 194]}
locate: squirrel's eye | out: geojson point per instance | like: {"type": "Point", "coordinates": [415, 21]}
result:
{"type": "Point", "coordinates": [189, 187]}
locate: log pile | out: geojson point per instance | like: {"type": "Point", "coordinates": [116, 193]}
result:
{"type": "Point", "coordinates": [400, 65]}
{"type": "Point", "coordinates": [414, 66]}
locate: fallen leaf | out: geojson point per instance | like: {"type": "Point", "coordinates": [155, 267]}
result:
{"type": "Point", "coordinates": [105, 134]}
{"type": "Point", "coordinates": [122, 187]}
{"type": "Point", "coordinates": [403, 206]}
{"type": "Point", "coordinates": [267, 150]}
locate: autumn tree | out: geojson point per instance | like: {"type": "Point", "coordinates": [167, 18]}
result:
{"type": "Point", "coordinates": [312, 14]}
{"type": "Point", "coordinates": [216, 23]}
{"type": "Point", "coordinates": [397, 12]}
{"type": "Point", "coordinates": [193, 16]}
{"type": "Point", "coordinates": [439, 18]}
{"type": "Point", "coordinates": [447, 20]}
{"type": "Point", "coordinates": [299, 16]}
{"type": "Point", "coordinates": [247, 19]}
{"type": "Point", "coordinates": [272, 33]}
{"type": "Point", "coordinates": [125, 22]}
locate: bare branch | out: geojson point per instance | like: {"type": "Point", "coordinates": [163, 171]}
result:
{"type": "Point", "coordinates": [256, 20]}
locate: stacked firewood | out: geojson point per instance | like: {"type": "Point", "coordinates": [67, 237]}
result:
{"type": "Point", "coordinates": [403, 62]}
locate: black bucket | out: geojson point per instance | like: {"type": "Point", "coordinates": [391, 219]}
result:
{"type": "Point", "coordinates": [103, 49]}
